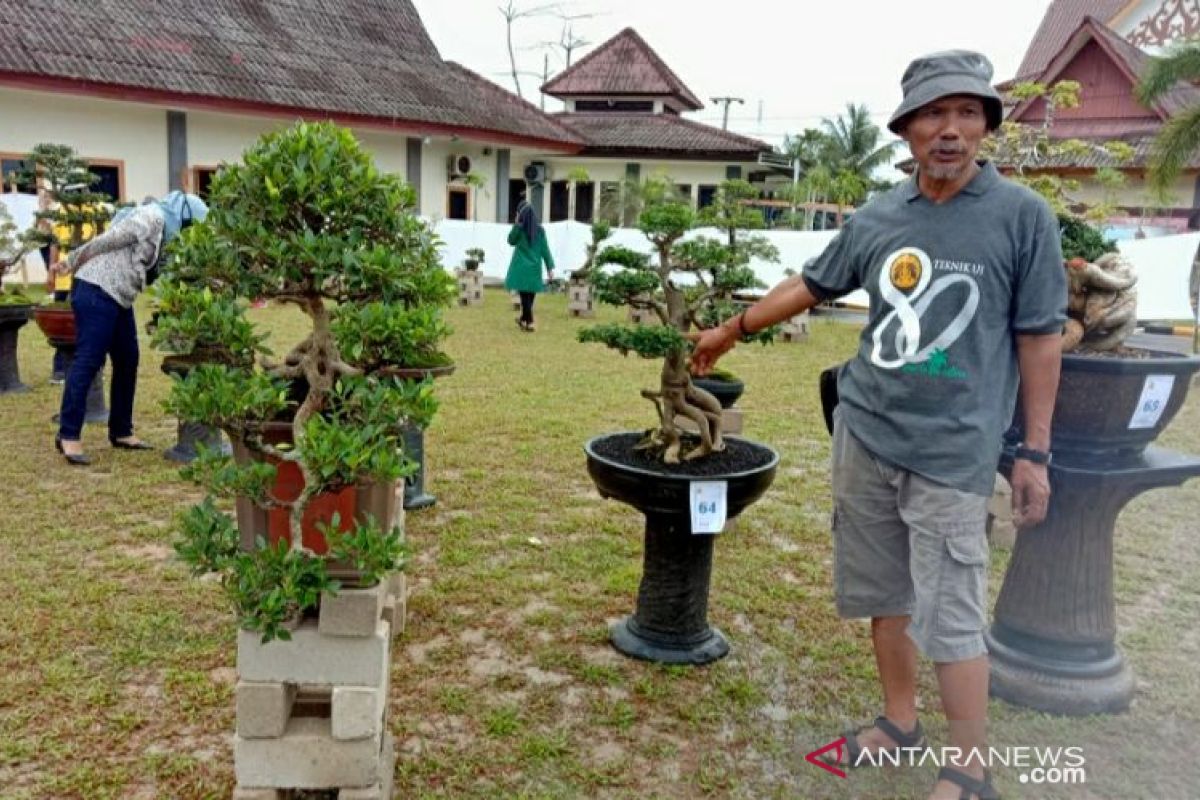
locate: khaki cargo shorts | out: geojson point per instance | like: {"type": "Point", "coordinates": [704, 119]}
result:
{"type": "Point", "coordinates": [906, 546]}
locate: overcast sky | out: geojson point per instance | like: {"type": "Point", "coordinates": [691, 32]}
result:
{"type": "Point", "coordinates": [801, 60]}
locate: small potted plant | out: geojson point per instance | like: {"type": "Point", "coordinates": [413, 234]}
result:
{"type": "Point", "coordinates": [474, 258]}
{"type": "Point", "coordinates": [579, 285]}
{"type": "Point", "coordinates": [654, 470]}
{"type": "Point", "coordinates": [15, 305]}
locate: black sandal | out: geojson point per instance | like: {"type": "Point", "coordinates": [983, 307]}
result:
{"type": "Point", "coordinates": [120, 445]}
{"type": "Point", "coordinates": [982, 789]}
{"type": "Point", "coordinates": [916, 738]}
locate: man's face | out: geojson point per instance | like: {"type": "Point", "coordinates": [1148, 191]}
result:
{"type": "Point", "coordinates": [944, 135]}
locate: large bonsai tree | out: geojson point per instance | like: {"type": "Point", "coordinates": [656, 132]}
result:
{"type": "Point", "coordinates": [76, 212]}
{"type": "Point", "coordinates": [306, 220]}
{"type": "Point", "coordinates": [625, 277]}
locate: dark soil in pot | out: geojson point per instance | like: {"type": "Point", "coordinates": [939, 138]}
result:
{"type": "Point", "coordinates": [739, 455]}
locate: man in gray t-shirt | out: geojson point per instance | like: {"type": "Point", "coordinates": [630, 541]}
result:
{"type": "Point", "coordinates": [968, 299]}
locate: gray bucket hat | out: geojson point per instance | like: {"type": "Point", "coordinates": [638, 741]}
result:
{"type": "Point", "coordinates": [951, 72]}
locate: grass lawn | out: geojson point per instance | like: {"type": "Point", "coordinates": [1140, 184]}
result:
{"type": "Point", "coordinates": [117, 668]}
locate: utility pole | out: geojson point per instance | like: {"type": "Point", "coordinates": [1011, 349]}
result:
{"type": "Point", "coordinates": [727, 101]}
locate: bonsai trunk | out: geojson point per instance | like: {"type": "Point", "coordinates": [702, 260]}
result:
{"type": "Point", "coordinates": [677, 396]}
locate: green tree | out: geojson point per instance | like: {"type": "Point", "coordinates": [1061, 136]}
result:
{"type": "Point", "coordinates": [1179, 139]}
{"type": "Point", "coordinates": [854, 146]}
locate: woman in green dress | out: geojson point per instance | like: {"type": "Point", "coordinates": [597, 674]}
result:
{"type": "Point", "coordinates": [530, 250]}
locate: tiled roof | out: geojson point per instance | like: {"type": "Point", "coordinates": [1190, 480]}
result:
{"type": "Point", "coordinates": [616, 133]}
{"type": "Point", "coordinates": [369, 59]}
{"type": "Point", "coordinates": [624, 65]}
{"type": "Point", "coordinates": [1062, 19]}
{"type": "Point", "coordinates": [1128, 58]}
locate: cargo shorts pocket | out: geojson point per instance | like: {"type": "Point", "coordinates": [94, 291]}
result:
{"type": "Point", "coordinates": [962, 584]}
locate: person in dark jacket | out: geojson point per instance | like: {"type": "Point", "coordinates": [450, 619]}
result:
{"type": "Point", "coordinates": [530, 250]}
{"type": "Point", "coordinates": [109, 273]}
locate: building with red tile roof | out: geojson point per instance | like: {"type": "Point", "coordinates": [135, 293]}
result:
{"type": "Point", "coordinates": [157, 95]}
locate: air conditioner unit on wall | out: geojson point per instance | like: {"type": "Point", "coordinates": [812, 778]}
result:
{"type": "Point", "coordinates": [535, 172]}
{"type": "Point", "coordinates": [458, 165]}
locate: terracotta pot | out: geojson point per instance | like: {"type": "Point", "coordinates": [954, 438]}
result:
{"type": "Point", "coordinates": [352, 504]}
{"type": "Point", "coordinates": [57, 323]}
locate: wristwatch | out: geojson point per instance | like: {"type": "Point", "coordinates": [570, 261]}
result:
{"type": "Point", "coordinates": [1036, 456]}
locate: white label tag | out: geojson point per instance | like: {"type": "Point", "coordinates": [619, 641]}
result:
{"type": "Point", "coordinates": [708, 506]}
{"type": "Point", "coordinates": [1156, 391]}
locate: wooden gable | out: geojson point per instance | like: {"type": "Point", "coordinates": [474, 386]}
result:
{"type": "Point", "coordinates": [1107, 103]}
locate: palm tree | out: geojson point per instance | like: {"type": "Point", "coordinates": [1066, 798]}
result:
{"type": "Point", "coordinates": [853, 146]}
{"type": "Point", "coordinates": [1179, 139]}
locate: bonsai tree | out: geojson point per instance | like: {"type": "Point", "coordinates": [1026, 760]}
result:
{"type": "Point", "coordinates": [600, 232]}
{"type": "Point", "coordinates": [1101, 298]}
{"type": "Point", "coordinates": [14, 246]}
{"type": "Point", "coordinates": [76, 212]}
{"type": "Point", "coordinates": [474, 258]}
{"type": "Point", "coordinates": [306, 220]}
{"type": "Point", "coordinates": [715, 269]}
{"type": "Point", "coordinates": [1101, 303]}
{"type": "Point", "coordinates": [731, 213]}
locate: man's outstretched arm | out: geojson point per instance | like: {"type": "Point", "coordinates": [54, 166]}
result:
{"type": "Point", "coordinates": [790, 297]}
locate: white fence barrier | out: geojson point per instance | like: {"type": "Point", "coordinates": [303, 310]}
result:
{"type": "Point", "coordinates": [1163, 263]}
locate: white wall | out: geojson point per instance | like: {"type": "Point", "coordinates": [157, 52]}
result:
{"type": "Point", "coordinates": [133, 133]}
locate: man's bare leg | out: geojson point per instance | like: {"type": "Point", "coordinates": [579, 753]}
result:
{"type": "Point", "coordinates": [964, 689]}
{"type": "Point", "coordinates": [896, 659]}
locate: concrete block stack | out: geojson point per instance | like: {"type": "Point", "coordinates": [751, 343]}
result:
{"type": "Point", "coordinates": [795, 329]}
{"type": "Point", "coordinates": [470, 287]}
{"type": "Point", "coordinates": [312, 711]}
{"type": "Point", "coordinates": [579, 299]}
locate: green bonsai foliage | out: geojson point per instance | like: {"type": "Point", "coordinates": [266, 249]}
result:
{"type": "Point", "coordinates": [76, 212]}
{"type": "Point", "coordinates": [732, 214]}
{"type": "Point", "coordinates": [600, 232]}
{"type": "Point", "coordinates": [1082, 240]}
{"type": "Point", "coordinates": [204, 326]}
{"type": "Point", "coordinates": [307, 220]}
{"type": "Point", "coordinates": [14, 246]}
{"type": "Point", "coordinates": [625, 277]}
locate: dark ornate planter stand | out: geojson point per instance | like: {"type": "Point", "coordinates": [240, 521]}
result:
{"type": "Point", "coordinates": [12, 318]}
{"type": "Point", "coordinates": [415, 496]}
{"type": "Point", "coordinates": [1052, 643]}
{"type": "Point", "coordinates": [189, 436]}
{"type": "Point", "coordinates": [97, 410]}
{"type": "Point", "coordinates": [670, 623]}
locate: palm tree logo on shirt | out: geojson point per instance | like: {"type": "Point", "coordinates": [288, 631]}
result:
{"type": "Point", "coordinates": [906, 284]}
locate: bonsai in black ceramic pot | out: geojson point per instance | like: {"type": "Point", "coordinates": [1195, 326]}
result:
{"type": "Point", "coordinates": [654, 471]}
{"type": "Point", "coordinates": [1053, 639]}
